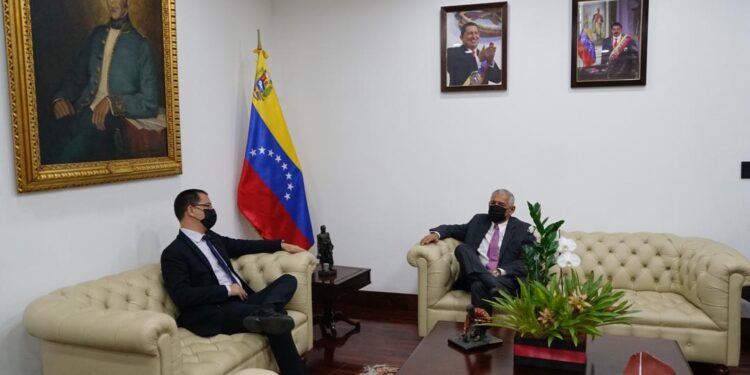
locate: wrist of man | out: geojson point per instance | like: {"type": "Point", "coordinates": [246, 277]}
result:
{"type": "Point", "coordinates": [229, 290]}
{"type": "Point", "coordinates": [436, 233]}
{"type": "Point", "coordinates": [502, 271]}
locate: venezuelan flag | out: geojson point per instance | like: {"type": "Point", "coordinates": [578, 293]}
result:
{"type": "Point", "coordinates": [271, 191]}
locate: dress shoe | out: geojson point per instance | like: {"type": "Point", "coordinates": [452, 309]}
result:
{"type": "Point", "coordinates": [271, 323]}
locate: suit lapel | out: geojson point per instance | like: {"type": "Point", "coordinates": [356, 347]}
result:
{"type": "Point", "coordinates": [510, 230]}
{"type": "Point", "coordinates": [195, 249]}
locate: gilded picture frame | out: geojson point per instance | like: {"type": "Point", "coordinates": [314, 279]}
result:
{"type": "Point", "coordinates": [69, 129]}
{"type": "Point", "coordinates": [474, 47]}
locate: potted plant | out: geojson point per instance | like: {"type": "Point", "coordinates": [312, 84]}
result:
{"type": "Point", "coordinates": [553, 313]}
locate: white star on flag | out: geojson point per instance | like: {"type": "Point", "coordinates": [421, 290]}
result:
{"type": "Point", "coordinates": [278, 158]}
{"type": "Point", "coordinates": [288, 176]}
{"type": "Point", "coordinates": [253, 152]}
{"type": "Point", "coordinates": [287, 196]}
{"type": "Point", "coordinates": [270, 152]}
{"type": "Point", "coordinates": [262, 150]}
{"type": "Point", "coordinates": [284, 166]}
{"type": "Point", "coordinates": [290, 186]}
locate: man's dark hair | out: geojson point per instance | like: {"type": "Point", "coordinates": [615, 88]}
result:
{"type": "Point", "coordinates": [463, 28]}
{"type": "Point", "coordinates": [186, 198]}
{"type": "Point", "coordinates": [616, 24]}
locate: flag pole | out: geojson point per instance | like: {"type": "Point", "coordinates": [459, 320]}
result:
{"type": "Point", "coordinates": [259, 45]}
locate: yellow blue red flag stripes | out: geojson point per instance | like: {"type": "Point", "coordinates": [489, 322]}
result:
{"type": "Point", "coordinates": [271, 191]}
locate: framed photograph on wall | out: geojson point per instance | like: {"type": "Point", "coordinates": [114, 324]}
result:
{"type": "Point", "coordinates": [93, 91]}
{"type": "Point", "coordinates": [473, 47]}
{"type": "Point", "coordinates": [608, 43]}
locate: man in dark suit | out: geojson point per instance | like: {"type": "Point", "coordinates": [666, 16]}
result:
{"type": "Point", "coordinates": [469, 66]}
{"type": "Point", "coordinates": [490, 255]}
{"type": "Point", "coordinates": [620, 54]}
{"type": "Point", "coordinates": [210, 295]}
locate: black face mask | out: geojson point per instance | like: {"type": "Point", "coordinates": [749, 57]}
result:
{"type": "Point", "coordinates": [210, 219]}
{"type": "Point", "coordinates": [497, 214]}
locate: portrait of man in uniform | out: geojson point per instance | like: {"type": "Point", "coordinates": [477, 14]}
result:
{"type": "Point", "coordinates": [100, 80]}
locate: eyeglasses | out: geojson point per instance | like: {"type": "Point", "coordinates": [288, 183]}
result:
{"type": "Point", "coordinates": [204, 205]}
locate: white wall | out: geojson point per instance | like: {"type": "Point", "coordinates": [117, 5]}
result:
{"type": "Point", "coordinates": [387, 156]}
{"type": "Point", "coordinates": [57, 238]}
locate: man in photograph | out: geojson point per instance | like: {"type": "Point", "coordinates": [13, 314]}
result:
{"type": "Point", "coordinates": [467, 64]}
{"type": "Point", "coordinates": [620, 54]}
{"type": "Point", "coordinates": [490, 256]}
{"type": "Point", "coordinates": [598, 21]}
{"type": "Point", "coordinates": [114, 77]}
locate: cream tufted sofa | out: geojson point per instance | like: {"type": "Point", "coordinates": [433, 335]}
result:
{"type": "Point", "coordinates": [124, 324]}
{"type": "Point", "coordinates": [685, 289]}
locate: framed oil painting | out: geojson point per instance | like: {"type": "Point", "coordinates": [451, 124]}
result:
{"type": "Point", "coordinates": [473, 47]}
{"type": "Point", "coordinates": [93, 91]}
{"type": "Point", "coordinates": [609, 39]}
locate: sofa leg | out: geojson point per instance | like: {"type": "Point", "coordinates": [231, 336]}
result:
{"type": "Point", "coordinates": [721, 369]}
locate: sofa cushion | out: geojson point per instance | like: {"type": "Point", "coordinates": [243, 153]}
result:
{"type": "Point", "coordinates": [666, 310]}
{"type": "Point", "coordinates": [221, 354]}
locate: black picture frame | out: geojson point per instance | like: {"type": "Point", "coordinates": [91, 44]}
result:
{"type": "Point", "coordinates": [492, 24]}
{"type": "Point", "coordinates": [592, 50]}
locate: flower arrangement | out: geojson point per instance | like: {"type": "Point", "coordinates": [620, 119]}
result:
{"type": "Point", "coordinates": [561, 307]}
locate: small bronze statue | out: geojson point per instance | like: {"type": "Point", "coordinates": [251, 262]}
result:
{"type": "Point", "coordinates": [325, 253]}
{"type": "Point", "coordinates": [474, 335]}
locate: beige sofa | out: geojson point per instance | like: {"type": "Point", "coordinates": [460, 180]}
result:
{"type": "Point", "coordinates": [124, 324]}
{"type": "Point", "coordinates": [685, 289]}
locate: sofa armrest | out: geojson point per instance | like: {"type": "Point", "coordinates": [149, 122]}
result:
{"type": "Point", "coordinates": [711, 276]}
{"type": "Point", "coordinates": [437, 271]}
{"type": "Point", "coordinates": [58, 319]}
{"type": "Point", "coordinates": [260, 270]}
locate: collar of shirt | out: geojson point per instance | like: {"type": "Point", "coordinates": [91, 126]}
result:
{"type": "Point", "coordinates": [196, 237]}
{"type": "Point", "coordinates": [500, 226]}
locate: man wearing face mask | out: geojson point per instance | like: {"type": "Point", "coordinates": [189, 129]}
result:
{"type": "Point", "coordinates": [210, 295]}
{"type": "Point", "coordinates": [490, 255]}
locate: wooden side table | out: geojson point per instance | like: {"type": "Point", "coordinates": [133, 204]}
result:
{"type": "Point", "coordinates": [329, 289]}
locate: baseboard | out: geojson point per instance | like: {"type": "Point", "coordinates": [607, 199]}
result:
{"type": "Point", "coordinates": [394, 301]}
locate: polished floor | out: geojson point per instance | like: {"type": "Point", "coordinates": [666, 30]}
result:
{"type": "Point", "coordinates": [389, 335]}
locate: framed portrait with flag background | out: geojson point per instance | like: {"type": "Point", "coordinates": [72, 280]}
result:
{"type": "Point", "coordinates": [608, 43]}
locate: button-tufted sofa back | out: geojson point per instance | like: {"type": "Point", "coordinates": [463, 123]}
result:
{"type": "Point", "coordinates": [639, 261]}
{"type": "Point", "coordinates": [136, 290]}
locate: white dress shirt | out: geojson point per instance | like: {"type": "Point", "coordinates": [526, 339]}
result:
{"type": "Point", "coordinates": [221, 275]}
{"type": "Point", "coordinates": [484, 247]}
{"type": "Point", "coordinates": [109, 46]}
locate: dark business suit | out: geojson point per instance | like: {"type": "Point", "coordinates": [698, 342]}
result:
{"type": "Point", "coordinates": [461, 63]}
{"type": "Point", "coordinates": [626, 65]}
{"type": "Point", "coordinates": [473, 276]}
{"type": "Point", "coordinates": [205, 307]}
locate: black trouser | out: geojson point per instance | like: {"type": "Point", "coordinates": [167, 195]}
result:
{"type": "Point", "coordinates": [474, 278]}
{"type": "Point", "coordinates": [274, 296]}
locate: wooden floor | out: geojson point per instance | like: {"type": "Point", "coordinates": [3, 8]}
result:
{"type": "Point", "coordinates": [389, 335]}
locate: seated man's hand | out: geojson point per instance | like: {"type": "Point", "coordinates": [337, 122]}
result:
{"type": "Point", "coordinates": [100, 113]}
{"type": "Point", "coordinates": [430, 238]}
{"type": "Point", "coordinates": [289, 248]}
{"type": "Point", "coordinates": [236, 290]}
{"type": "Point", "coordinates": [63, 108]}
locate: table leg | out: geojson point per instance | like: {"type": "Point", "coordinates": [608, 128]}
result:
{"type": "Point", "coordinates": [328, 321]}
